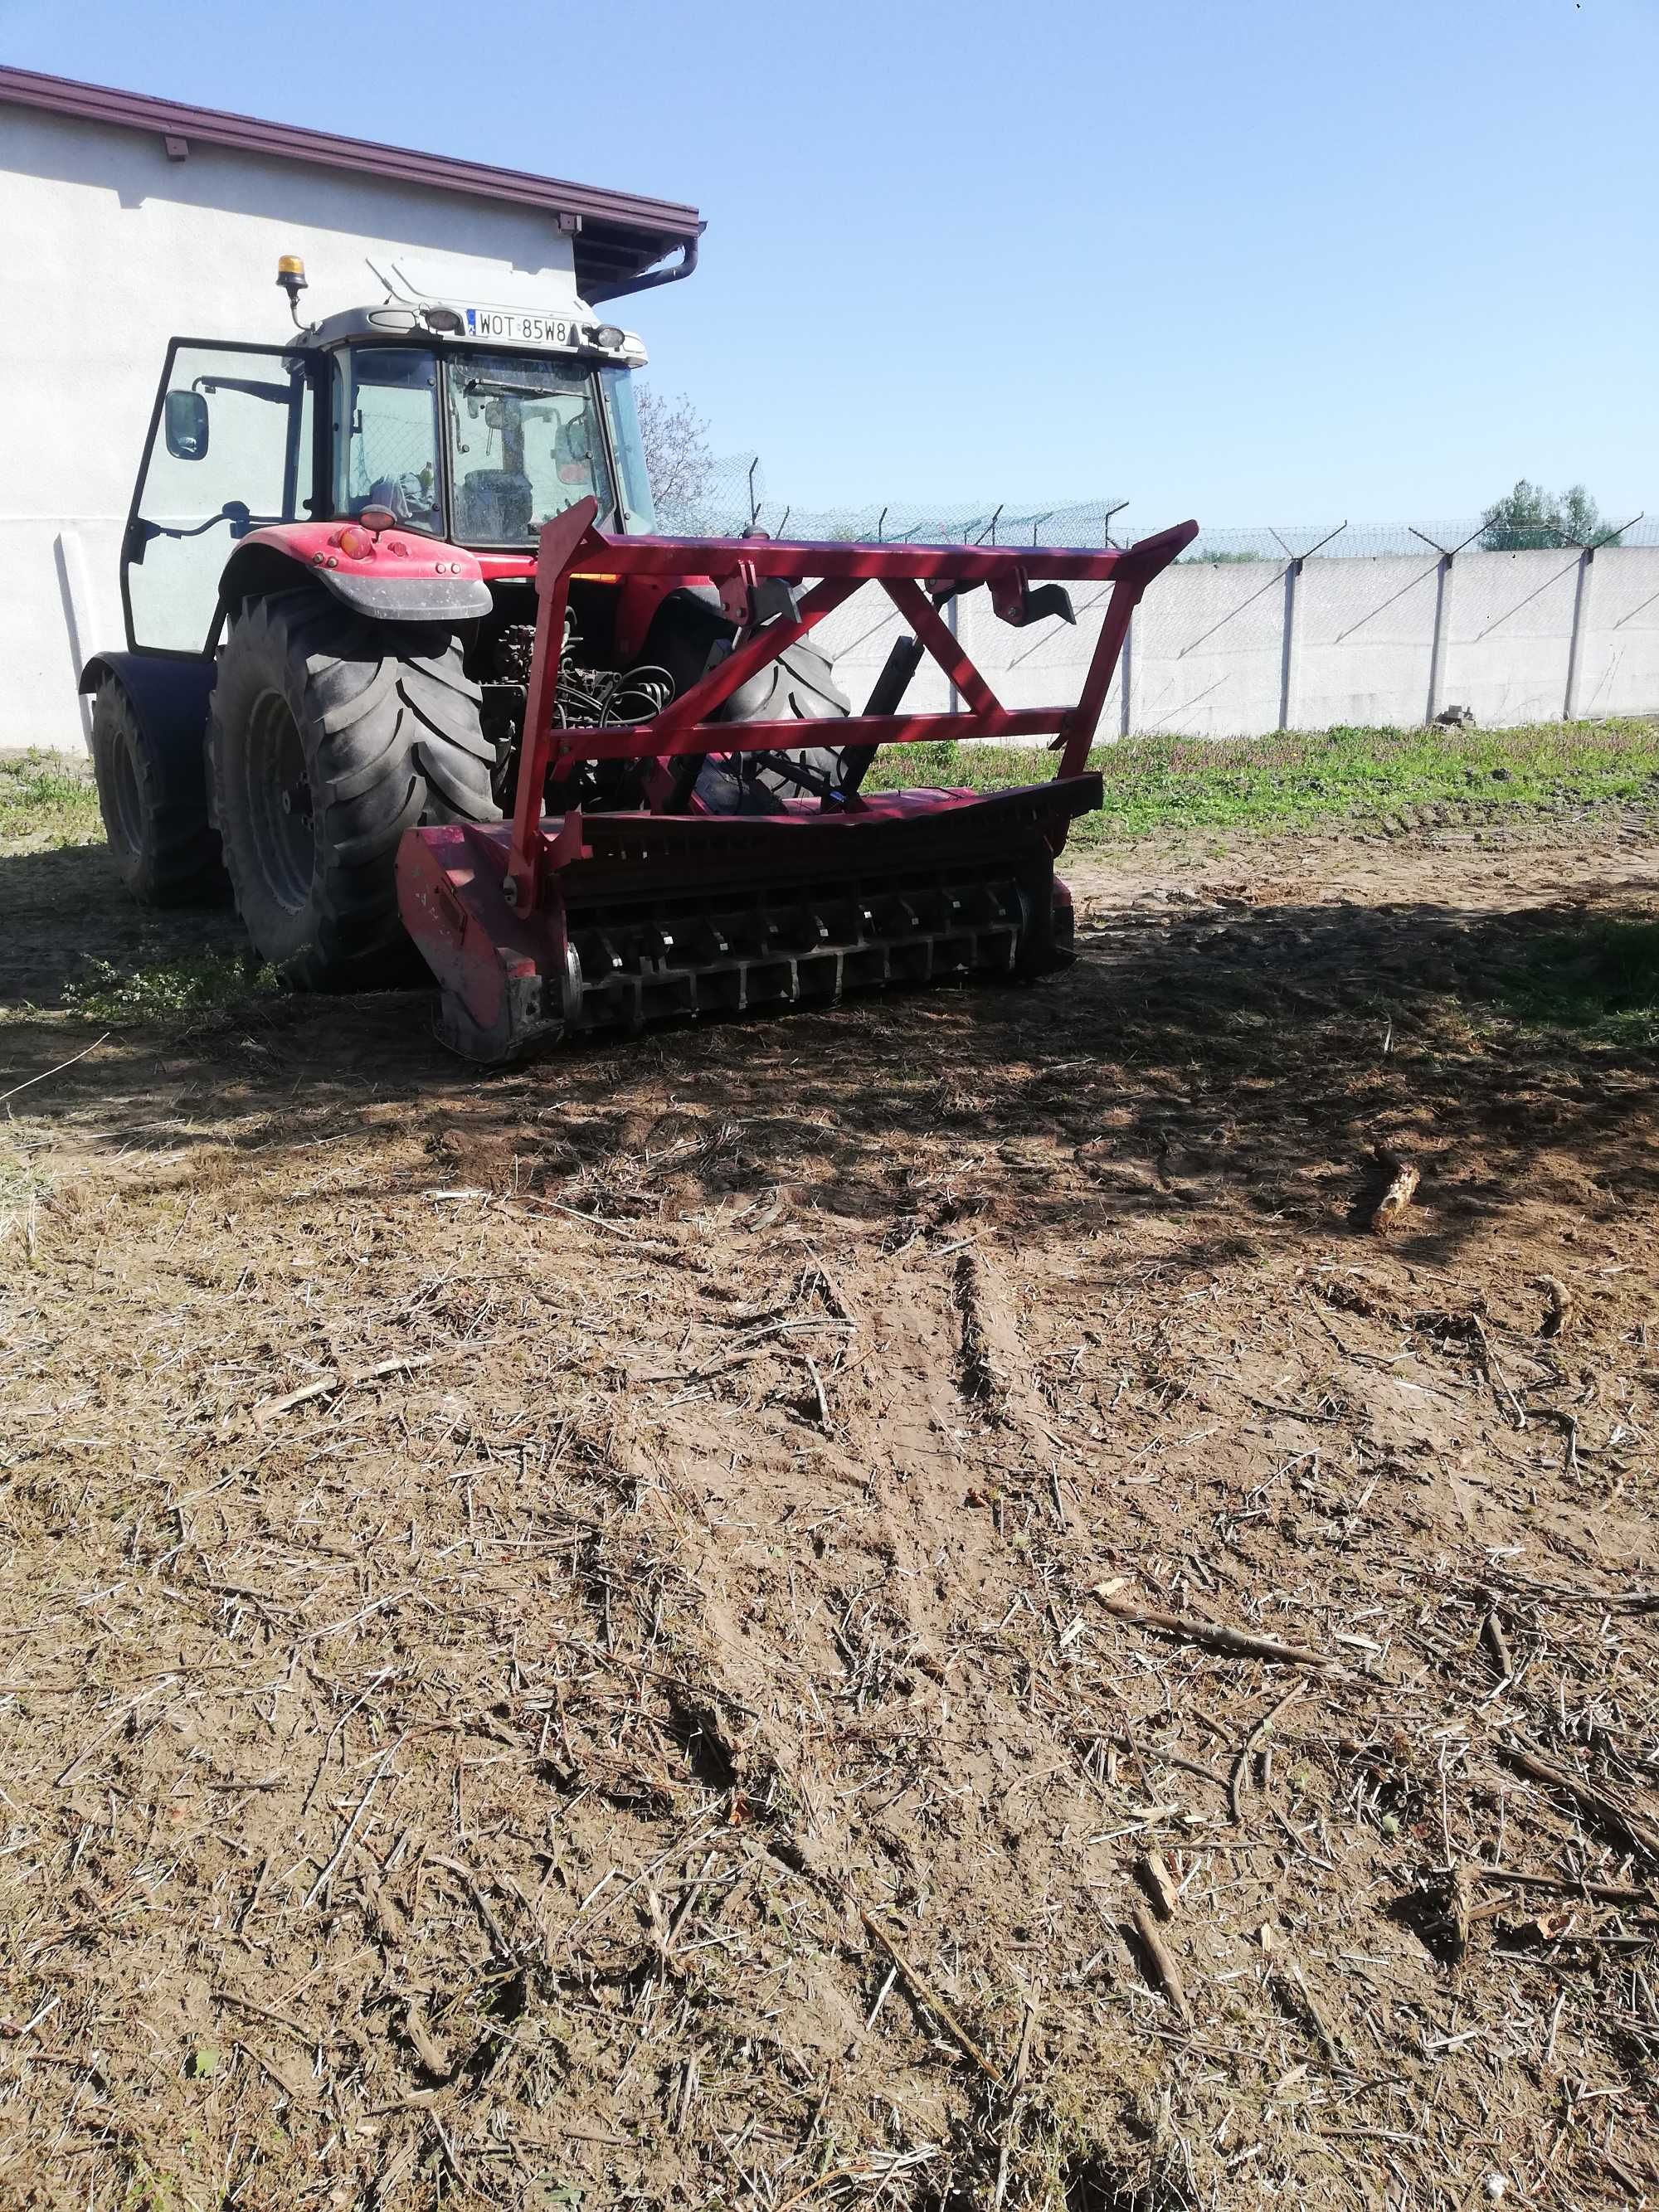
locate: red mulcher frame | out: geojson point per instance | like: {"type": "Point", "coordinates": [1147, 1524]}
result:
{"type": "Point", "coordinates": [487, 906]}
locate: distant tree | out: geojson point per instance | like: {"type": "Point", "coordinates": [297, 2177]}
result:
{"type": "Point", "coordinates": [1529, 518]}
{"type": "Point", "coordinates": [677, 455]}
{"type": "Point", "coordinates": [1581, 520]}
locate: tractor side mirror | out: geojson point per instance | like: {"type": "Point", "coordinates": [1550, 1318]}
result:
{"type": "Point", "coordinates": [184, 420]}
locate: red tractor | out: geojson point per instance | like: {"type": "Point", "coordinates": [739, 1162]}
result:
{"type": "Point", "coordinates": [443, 598]}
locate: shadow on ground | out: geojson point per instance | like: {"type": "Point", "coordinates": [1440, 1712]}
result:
{"type": "Point", "coordinates": [66, 910]}
{"type": "Point", "coordinates": [1234, 1067]}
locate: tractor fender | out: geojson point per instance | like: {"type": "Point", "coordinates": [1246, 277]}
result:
{"type": "Point", "coordinates": [168, 690]}
{"type": "Point", "coordinates": [402, 577]}
{"type": "Point", "coordinates": [168, 694]}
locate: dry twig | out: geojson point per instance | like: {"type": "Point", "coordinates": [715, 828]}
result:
{"type": "Point", "coordinates": [925, 1992]}
{"type": "Point", "coordinates": [1235, 1642]}
{"type": "Point", "coordinates": [1639, 1833]}
{"type": "Point", "coordinates": [1166, 1974]}
{"type": "Point", "coordinates": [1253, 1743]}
{"type": "Point", "coordinates": [331, 1380]}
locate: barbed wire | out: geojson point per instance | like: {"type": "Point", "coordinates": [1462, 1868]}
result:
{"type": "Point", "coordinates": [734, 496]}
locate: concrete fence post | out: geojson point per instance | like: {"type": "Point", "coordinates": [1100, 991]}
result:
{"type": "Point", "coordinates": [1443, 606]}
{"type": "Point", "coordinates": [950, 623]}
{"type": "Point", "coordinates": [1581, 601]}
{"type": "Point", "coordinates": [1288, 672]}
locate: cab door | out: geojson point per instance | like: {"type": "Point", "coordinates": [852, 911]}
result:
{"type": "Point", "coordinates": [231, 447]}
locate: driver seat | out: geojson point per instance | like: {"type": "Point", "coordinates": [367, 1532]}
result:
{"type": "Point", "coordinates": [492, 506]}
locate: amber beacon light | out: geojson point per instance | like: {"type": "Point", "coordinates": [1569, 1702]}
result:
{"type": "Point", "coordinates": [291, 276]}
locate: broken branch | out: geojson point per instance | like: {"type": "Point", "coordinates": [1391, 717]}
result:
{"type": "Point", "coordinates": [1212, 1634]}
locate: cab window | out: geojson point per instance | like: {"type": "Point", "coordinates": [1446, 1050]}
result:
{"type": "Point", "coordinates": [386, 434]}
{"type": "Point", "coordinates": [526, 442]}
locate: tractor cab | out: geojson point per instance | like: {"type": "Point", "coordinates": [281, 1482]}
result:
{"type": "Point", "coordinates": [480, 445]}
{"type": "Point", "coordinates": [468, 424]}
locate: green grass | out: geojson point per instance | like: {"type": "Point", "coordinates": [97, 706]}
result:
{"type": "Point", "coordinates": [167, 993]}
{"type": "Point", "coordinates": [1601, 982]}
{"type": "Point", "coordinates": [47, 799]}
{"type": "Point", "coordinates": [1153, 785]}
{"type": "Point", "coordinates": [1158, 785]}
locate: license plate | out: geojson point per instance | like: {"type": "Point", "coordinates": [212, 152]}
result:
{"type": "Point", "coordinates": [519, 330]}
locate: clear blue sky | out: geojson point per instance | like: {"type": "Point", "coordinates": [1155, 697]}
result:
{"type": "Point", "coordinates": [1250, 259]}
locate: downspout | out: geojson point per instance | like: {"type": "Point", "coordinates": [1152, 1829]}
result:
{"type": "Point", "coordinates": [594, 294]}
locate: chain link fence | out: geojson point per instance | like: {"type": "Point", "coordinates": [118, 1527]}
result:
{"type": "Point", "coordinates": [735, 496]}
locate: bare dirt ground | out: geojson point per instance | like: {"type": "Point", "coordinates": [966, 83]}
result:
{"type": "Point", "coordinates": [625, 1634]}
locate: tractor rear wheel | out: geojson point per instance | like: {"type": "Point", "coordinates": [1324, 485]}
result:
{"type": "Point", "coordinates": [798, 686]}
{"type": "Point", "coordinates": [328, 737]}
{"type": "Point", "coordinates": [688, 637]}
{"type": "Point", "coordinates": [150, 795]}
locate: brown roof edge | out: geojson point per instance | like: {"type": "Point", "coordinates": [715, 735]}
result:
{"type": "Point", "coordinates": [631, 232]}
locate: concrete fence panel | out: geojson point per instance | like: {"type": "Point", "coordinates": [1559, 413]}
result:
{"type": "Point", "coordinates": [1241, 648]}
{"type": "Point", "coordinates": [1366, 641]}
{"type": "Point", "coordinates": [1208, 646]}
{"type": "Point", "coordinates": [1044, 664]}
{"type": "Point", "coordinates": [1619, 653]}
{"type": "Point", "coordinates": [1511, 634]}
{"type": "Point", "coordinates": [860, 635]}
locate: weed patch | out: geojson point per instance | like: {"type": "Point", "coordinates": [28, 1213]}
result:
{"type": "Point", "coordinates": [169, 992]}
{"type": "Point", "coordinates": [47, 799]}
{"type": "Point", "coordinates": [1156, 785]}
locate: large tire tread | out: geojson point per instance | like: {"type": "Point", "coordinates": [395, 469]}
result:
{"type": "Point", "coordinates": [799, 686]}
{"type": "Point", "coordinates": [152, 795]}
{"type": "Point", "coordinates": [377, 760]}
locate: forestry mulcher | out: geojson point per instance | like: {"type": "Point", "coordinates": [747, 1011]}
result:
{"type": "Point", "coordinates": [451, 686]}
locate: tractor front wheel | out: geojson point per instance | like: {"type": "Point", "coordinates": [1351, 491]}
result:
{"type": "Point", "coordinates": [328, 737]}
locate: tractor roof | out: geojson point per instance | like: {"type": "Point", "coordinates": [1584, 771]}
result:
{"type": "Point", "coordinates": [432, 303]}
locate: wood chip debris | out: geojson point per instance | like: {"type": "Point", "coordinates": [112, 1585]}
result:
{"type": "Point", "coordinates": [1404, 1176]}
{"type": "Point", "coordinates": [1558, 1306]}
{"type": "Point", "coordinates": [1155, 1880]}
{"type": "Point", "coordinates": [332, 1380]}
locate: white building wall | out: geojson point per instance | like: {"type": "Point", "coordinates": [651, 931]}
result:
{"type": "Point", "coordinates": [108, 249]}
